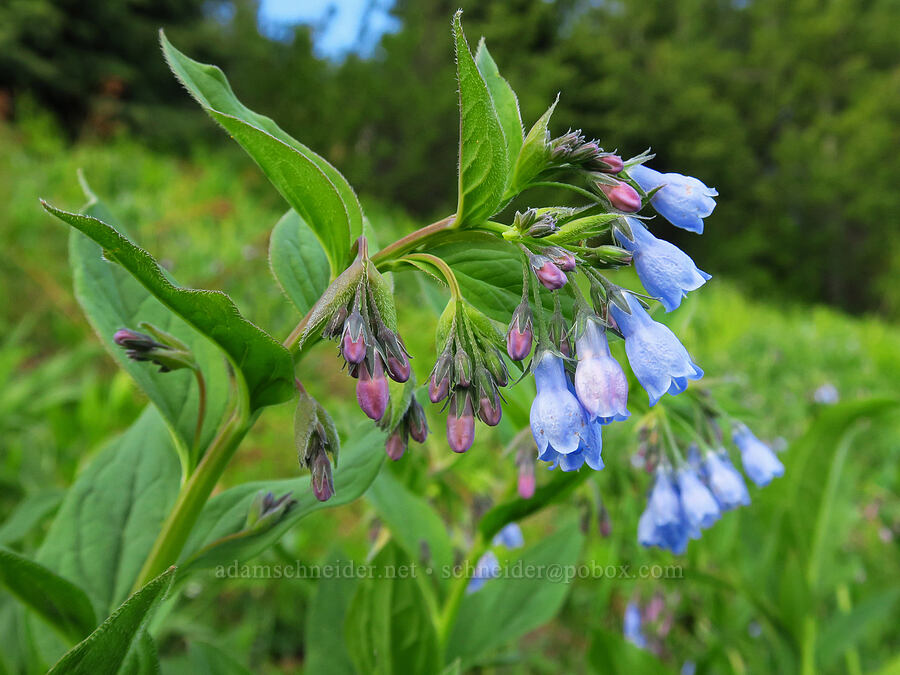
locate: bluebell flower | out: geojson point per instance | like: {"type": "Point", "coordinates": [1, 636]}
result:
{"type": "Point", "coordinates": [631, 627]}
{"type": "Point", "coordinates": [760, 463]}
{"type": "Point", "coordinates": [724, 481]}
{"type": "Point", "coordinates": [663, 522]}
{"type": "Point", "coordinates": [600, 382]}
{"type": "Point", "coordinates": [659, 361]}
{"type": "Point", "coordinates": [487, 567]}
{"type": "Point", "coordinates": [682, 200]}
{"type": "Point", "coordinates": [589, 451]}
{"type": "Point", "coordinates": [667, 272]}
{"type": "Point", "coordinates": [558, 422]}
{"type": "Point", "coordinates": [699, 505]}
{"type": "Point", "coordinates": [510, 537]}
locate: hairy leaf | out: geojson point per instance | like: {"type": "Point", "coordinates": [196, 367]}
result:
{"type": "Point", "coordinates": [505, 102]}
{"type": "Point", "coordinates": [483, 165]}
{"type": "Point", "coordinates": [534, 154]}
{"type": "Point", "coordinates": [266, 366]}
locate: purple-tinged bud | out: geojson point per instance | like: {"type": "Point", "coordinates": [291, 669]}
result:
{"type": "Point", "coordinates": [321, 478]}
{"type": "Point", "coordinates": [609, 163]}
{"type": "Point", "coordinates": [527, 480]}
{"type": "Point", "coordinates": [462, 369]}
{"type": "Point", "coordinates": [418, 424]}
{"type": "Point", "coordinates": [398, 368]}
{"type": "Point", "coordinates": [437, 390]}
{"type": "Point", "coordinates": [353, 342]}
{"type": "Point", "coordinates": [460, 423]}
{"type": "Point", "coordinates": [493, 359]}
{"type": "Point", "coordinates": [489, 410]}
{"type": "Point", "coordinates": [372, 390]}
{"type": "Point", "coordinates": [547, 273]}
{"type": "Point", "coordinates": [520, 334]}
{"type": "Point", "coordinates": [622, 196]}
{"type": "Point", "coordinates": [133, 340]}
{"type": "Point", "coordinates": [524, 219]}
{"type": "Point", "coordinates": [564, 260]}
{"type": "Point", "coordinates": [396, 444]}
{"type": "Point", "coordinates": [336, 325]}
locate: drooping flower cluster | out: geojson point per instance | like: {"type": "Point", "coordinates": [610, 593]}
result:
{"type": "Point", "coordinates": [692, 496]}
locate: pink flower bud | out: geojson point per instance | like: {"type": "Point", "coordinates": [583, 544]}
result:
{"type": "Point", "coordinates": [613, 163]}
{"type": "Point", "coordinates": [353, 342]}
{"type": "Point", "coordinates": [372, 390]}
{"type": "Point", "coordinates": [460, 429]}
{"type": "Point", "coordinates": [418, 425]}
{"type": "Point", "coordinates": [437, 391]}
{"type": "Point", "coordinates": [398, 369]}
{"type": "Point", "coordinates": [518, 342]}
{"type": "Point", "coordinates": [550, 275]}
{"type": "Point", "coordinates": [622, 196]}
{"type": "Point", "coordinates": [396, 445]}
{"type": "Point", "coordinates": [321, 478]}
{"type": "Point", "coordinates": [489, 410]}
{"type": "Point", "coordinates": [564, 261]}
{"type": "Point", "coordinates": [526, 485]}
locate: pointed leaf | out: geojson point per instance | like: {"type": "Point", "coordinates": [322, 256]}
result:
{"type": "Point", "coordinates": [209, 86]}
{"type": "Point", "coordinates": [59, 602]}
{"type": "Point", "coordinates": [505, 102]}
{"type": "Point", "coordinates": [266, 366]}
{"type": "Point", "coordinates": [104, 650]}
{"type": "Point", "coordinates": [483, 165]}
{"type": "Point", "coordinates": [534, 154]}
{"type": "Point", "coordinates": [28, 514]}
{"type": "Point", "coordinates": [298, 261]}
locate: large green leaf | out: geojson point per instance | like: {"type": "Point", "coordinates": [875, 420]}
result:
{"type": "Point", "coordinates": [219, 536]}
{"type": "Point", "coordinates": [209, 86]}
{"type": "Point", "coordinates": [106, 649]}
{"type": "Point", "coordinates": [58, 601]}
{"type": "Point", "coordinates": [612, 653]}
{"type": "Point", "coordinates": [412, 522]}
{"type": "Point", "coordinates": [112, 299]}
{"type": "Point", "coordinates": [266, 366]}
{"type": "Point", "coordinates": [513, 604]}
{"type": "Point", "coordinates": [298, 261]}
{"type": "Point", "coordinates": [505, 102]}
{"type": "Point", "coordinates": [326, 650]}
{"type": "Point", "coordinates": [845, 630]}
{"type": "Point", "coordinates": [483, 166]}
{"type": "Point", "coordinates": [388, 628]}
{"type": "Point", "coordinates": [112, 513]}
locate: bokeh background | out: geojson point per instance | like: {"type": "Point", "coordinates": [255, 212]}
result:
{"type": "Point", "coordinates": [790, 109]}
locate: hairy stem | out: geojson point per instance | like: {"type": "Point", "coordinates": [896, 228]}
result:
{"type": "Point", "coordinates": [201, 406]}
{"type": "Point", "coordinates": [192, 498]}
{"type": "Point", "coordinates": [443, 267]}
{"type": "Point", "coordinates": [410, 241]}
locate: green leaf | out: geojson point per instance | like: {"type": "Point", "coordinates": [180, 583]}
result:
{"type": "Point", "coordinates": [388, 628]}
{"type": "Point", "coordinates": [510, 606]}
{"type": "Point", "coordinates": [209, 86]}
{"type": "Point", "coordinates": [298, 261]}
{"type": "Point", "coordinates": [28, 514]}
{"type": "Point", "coordinates": [142, 658]}
{"type": "Point", "coordinates": [612, 653]}
{"type": "Point", "coordinates": [534, 154]}
{"type": "Point", "coordinates": [301, 182]}
{"type": "Point", "coordinates": [516, 509]}
{"type": "Point", "coordinates": [219, 536]}
{"type": "Point", "coordinates": [111, 515]}
{"type": "Point", "coordinates": [505, 102]}
{"type": "Point", "coordinates": [483, 166]}
{"type": "Point", "coordinates": [412, 521]}
{"type": "Point", "coordinates": [203, 658]}
{"type": "Point", "coordinates": [59, 602]}
{"type": "Point", "coordinates": [325, 648]}
{"type": "Point", "coordinates": [112, 299]}
{"type": "Point", "coordinates": [266, 366]}
{"type": "Point", "coordinates": [105, 650]}
{"type": "Point", "coordinates": [845, 630]}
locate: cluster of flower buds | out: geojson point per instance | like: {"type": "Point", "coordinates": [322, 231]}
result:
{"type": "Point", "coordinates": [411, 423]}
{"type": "Point", "coordinates": [155, 346]}
{"type": "Point", "coordinates": [266, 510]}
{"type": "Point", "coordinates": [468, 373]}
{"type": "Point", "coordinates": [691, 496]}
{"type": "Point", "coordinates": [572, 148]}
{"type": "Point", "coordinates": [317, 443]}
{"type": "Point", "coordinates": [536, 223]}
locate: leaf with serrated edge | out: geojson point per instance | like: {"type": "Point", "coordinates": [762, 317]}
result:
{"type": "Point", "coordinates": [266, 366]}
{"type": "Point", "coordinates": [483, 165]}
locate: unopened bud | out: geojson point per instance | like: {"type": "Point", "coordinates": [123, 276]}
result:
{"type": "Point", "coordinates": [398, 368]}
{"type": "Point", "coordinates": [265, 510]}
{"type": "Point", "coordinates": [160, 348]}
{"type": "Point", "coordinates": [547, 273]}
{"type": "Point", "coordinates": [622, 196]}
{"type": "Point", "coordinates": [609, 255]}
{"type": "Point", "coordinates": [336, 325]}
{"type": "Point", "coordinates": [462, 369]}
{"type": "Point", "coordinates": [418, 424]}
{"type": "Point", "coordinates": [489, 410]}
{"type": "Point", "coordinates": [396, 444]}
{"type": "Point", "coordinates": [439, 382]}
{"type": "Point", "coordinates": [607, 163]}
{"type": "Point", "coordinates": [321, 479]}
{"type": "Point", "coordinates": [372, 392]}
{"type": "Point", "coordinates": [524, 219]}
{"type": "Point", "coordinates": [519, 336]}
{"type": "Point", "coordinates": [563, 259]}
{"type": "Point", "coordinates": [525, 464]}
{"type": "Point", "coordinates": [497, 368]}
{"type": "Point", "coordinates": [353, 342]}
{"type": "Point", "coordinates": [460, 423]}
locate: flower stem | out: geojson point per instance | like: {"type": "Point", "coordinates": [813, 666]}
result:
{"type": "Point", "coordinates": [192, 498]}
{"type": "Point", "coordinates": [201, 406]}
{"type": "Point", "coordinates": [444, 268]}
{"type": "Point", "coordinates": [410, 241]}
